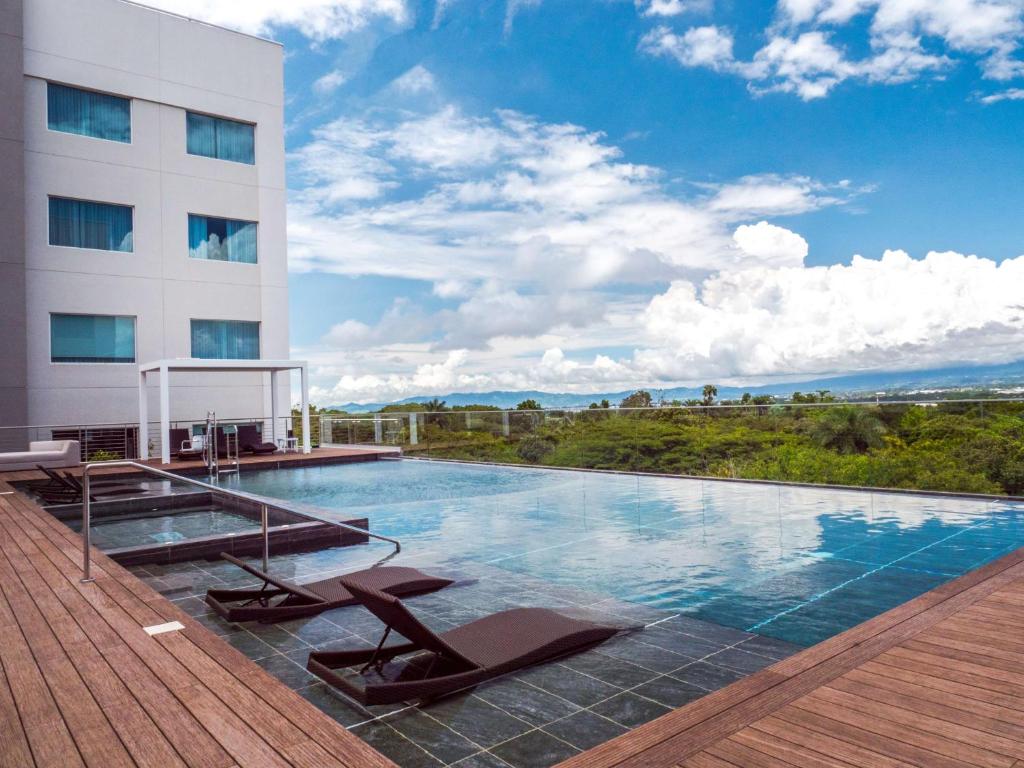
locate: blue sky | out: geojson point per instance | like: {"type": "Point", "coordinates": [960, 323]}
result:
{"type": "Point", "coordinates": [587, 195]}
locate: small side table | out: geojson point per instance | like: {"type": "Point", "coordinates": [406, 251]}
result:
{"type": "Point", "coordinates": [288, 444]}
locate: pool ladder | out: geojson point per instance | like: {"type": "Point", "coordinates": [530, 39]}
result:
{"type": "Point", "coordinates": [210, 452]}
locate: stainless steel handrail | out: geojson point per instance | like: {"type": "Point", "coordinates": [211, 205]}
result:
{"type": "Point", "coordinates": [87, 511]}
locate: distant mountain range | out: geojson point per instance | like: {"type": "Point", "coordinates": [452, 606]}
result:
{"type": "Point", "coordinates": [1009, 377]}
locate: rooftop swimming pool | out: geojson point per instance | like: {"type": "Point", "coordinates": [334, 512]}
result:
{"type": "Point", "coordinates": [798, 564]}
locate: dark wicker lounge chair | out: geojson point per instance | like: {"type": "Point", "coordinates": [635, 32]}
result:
{"type": "Point", "coordinates": [250, 441]}
{"type": "Point", "coordinates": [450, 661]}
{"type": "Point", "coordinates": [65, 488]}
{"type": "Point", "coordinates": [298, 600]}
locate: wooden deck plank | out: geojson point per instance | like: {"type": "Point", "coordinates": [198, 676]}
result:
{"type": "Point", "coordinates": [136, 730]}
{"type": "Point", "coordinates": [184, 698]}
{"type": "Point", "coordinates": [14, 748]}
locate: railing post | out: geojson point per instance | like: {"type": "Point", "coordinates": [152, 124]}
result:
{"type": "Point", "coordinates": [265, 523]}
{"type": "Point", "coordinates": [86, 524]}
{"type": "Point", "coordinates": [413, 424]}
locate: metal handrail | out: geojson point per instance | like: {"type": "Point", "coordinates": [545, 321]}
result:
{"type": "Point", "coordinates": [264, 515]}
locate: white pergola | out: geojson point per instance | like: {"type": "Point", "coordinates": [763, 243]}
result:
{"type": "Point", "coordinates": [163, 369]}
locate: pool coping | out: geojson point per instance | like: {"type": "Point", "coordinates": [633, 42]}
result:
{"type": "Point", "coordinates": [709, 478]}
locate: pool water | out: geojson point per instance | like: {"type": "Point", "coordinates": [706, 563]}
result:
{"type": "Point", "coordinates": [798, 564]}
{"type": "Point", "coordinates": [168, 528]}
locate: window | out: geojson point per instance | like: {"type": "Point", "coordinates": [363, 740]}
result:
{"type": "Point", "coordinates": [81, 224]}
{"type": "Point", "coordinates": [87, 113]}
{"type": "Point", "coordinates": [225, 340]}
{"type": "Point", "coordinates": [221, 239]}
{"type": "Point", "coordinates": [220, 138]}
{"type": "Point", "coordinates": [92, 339]}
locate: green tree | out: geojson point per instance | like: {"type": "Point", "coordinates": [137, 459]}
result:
{"type": "Point", "coordinates": [529, 405]}
{"type": "Point", "coordinates": [435, 405]}
{"type": "Point", "coordinates": [848, 429]}
{"type": "Point", "coordinates": [639, 399]}
{"type": "Point", "coordinates": [710, 392]}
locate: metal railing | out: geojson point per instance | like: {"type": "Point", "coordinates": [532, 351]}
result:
{"type": "Point", "coordinates": [264, 514]}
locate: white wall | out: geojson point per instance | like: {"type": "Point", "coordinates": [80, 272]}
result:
{"type": "Point", "coordinates": [167, 65]}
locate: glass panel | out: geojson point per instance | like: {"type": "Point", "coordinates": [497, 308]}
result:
{"type": "Point", "coordinates": [83, 224]}
{"type": "Point", "coordinates": [220, 138]}
{"type": "Point", "coordinates": [86, 113]}
{"type": "Point", "coordinates": [221, 239]}
{"type": "Point", "coordinates": [92, 339]}
{"type": "Point", "coordinates": [225, 340]}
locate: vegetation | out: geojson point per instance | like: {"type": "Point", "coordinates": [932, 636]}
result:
{"type": "Point", "coordinates": [966, 447]}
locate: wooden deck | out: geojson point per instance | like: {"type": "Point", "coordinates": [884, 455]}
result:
{"type": "Point", "coordinates": [81, 683]}
{"type": "Point", "coordinates": [271, 461]}
{"type": "Point", "coordinates": [937, 682]}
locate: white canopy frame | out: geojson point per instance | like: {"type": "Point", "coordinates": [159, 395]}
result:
{"type": "Point", "coordinates": [163, 369]}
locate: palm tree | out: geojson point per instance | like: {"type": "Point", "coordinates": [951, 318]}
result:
{"type": "Point", "coordinates": [435, 406]}
{"type": "Point", "coordinates": [710, 393]}
{"type": "Point", "coordinates": [848, 429]}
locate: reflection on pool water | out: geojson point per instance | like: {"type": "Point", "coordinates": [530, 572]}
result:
{"type": "Point", "coordinates": [799, 564]}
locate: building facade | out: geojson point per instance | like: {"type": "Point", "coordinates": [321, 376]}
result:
{"type": "Point", "coordinates": [147, 153]}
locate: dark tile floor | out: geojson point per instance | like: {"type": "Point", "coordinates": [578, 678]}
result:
{"type": "Point", "coordinates": [532, 719]}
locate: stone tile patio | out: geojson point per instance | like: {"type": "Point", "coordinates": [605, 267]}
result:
{"type": "Point", "coordinates": [532, 719]}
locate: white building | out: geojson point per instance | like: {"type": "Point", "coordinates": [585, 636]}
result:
{"type": "Point", "coordinates": [142, 160]}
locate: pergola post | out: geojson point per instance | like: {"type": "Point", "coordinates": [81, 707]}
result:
{"type": "Point", "coordinates": [143, 418]}
{"type": "Point", "coordinates": [165, 416]}
{"type": "Point", "coordinates": [306, 445]}
{"type": "Point", "coordinates": [273, 407]}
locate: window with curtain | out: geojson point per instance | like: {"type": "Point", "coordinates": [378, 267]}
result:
{"type": "Point", "coordinates": [221, 239]}
{"type": "Point", "coordinates": [92, 339]}
{"type": "Point", "coordinates": [88, 113]}
{"type": "Point", "coordinates": [220, 138]}
{"type": "Point", "coordinates": [84, 224]}
{"type": "Point", "coordinates": [225, 340]}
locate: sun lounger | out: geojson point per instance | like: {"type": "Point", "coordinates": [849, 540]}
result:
{"type": "Point", "coordinates": [249, 441]}
{"type": "Point", "coordinates": [453, 660]}
{"type": "Point", "coordinates": [297, 600]}
{"type": "Point", "coordinates": [65, 488]}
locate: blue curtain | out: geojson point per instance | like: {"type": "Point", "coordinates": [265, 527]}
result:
{"type": "Point", "coordinates": [221, 239]}
{"type": "Point", "coordinates": [87, 113]}
{"type": "Point", "coordinates": [220, 139]}
{"type": "Point", "coordinates": [84, 224]}
{"type": "Point", "coordinates": [241, 241]}
{"type": "Point", "coordinates": [225, 340]}
{"type": "Point", "coordinates": [92, 339]}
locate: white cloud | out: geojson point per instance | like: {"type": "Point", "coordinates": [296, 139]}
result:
{"type": "Point", "coordinates": [894, 313]}
{"type": "Point", "coordinates": [908, 39]}
{"type": "Point", "coordinates": [755, 323]}
{"type": "Point", "coordinates": [329, 83]}
{"type": "Point", "coordinates": [419, 79]}
{"type": "Point", "coordinates": [697, 47]}
{"type": "Point", "coordinates": [771, 243]}
{"type": "Point", "coordinates": [1011, 94]}
{"type": "Point", "coordinates": [672, 7]}
{"type": "Point", "coordinates": [317, 19]}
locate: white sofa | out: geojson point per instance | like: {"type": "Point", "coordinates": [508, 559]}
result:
{"type": "Point", "coordinates": [48, 453]}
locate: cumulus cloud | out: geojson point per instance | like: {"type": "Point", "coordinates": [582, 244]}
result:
{"type": "Point", "coordinates": [317, 19]}
{"type": "Point", "coordinates": [894, 313]}
{"type": "Point", "coordinates": [771, 243]}
{"type": "Point", "coordinates": [907, 39]}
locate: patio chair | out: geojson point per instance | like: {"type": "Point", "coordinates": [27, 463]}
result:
{"type": "Point", "coordinates": [184, 445]}
{"type": "Point", "coordinates": [299, 600]}
{"type": "Point", "coordinates": [453, 660]}
{"type": "Point", "coordinates": [250, 441]}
